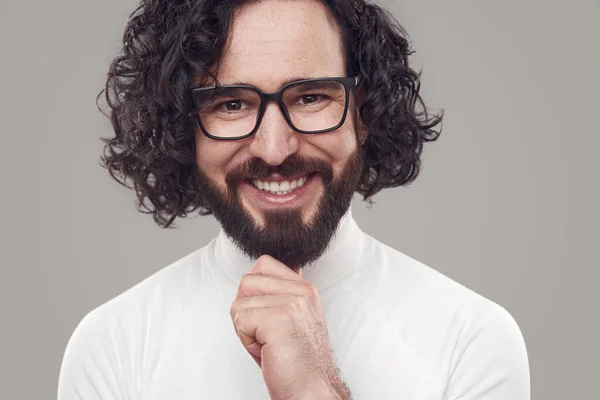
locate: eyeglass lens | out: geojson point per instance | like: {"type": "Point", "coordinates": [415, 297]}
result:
{"type": "Point", "coordinates": [233, 112]}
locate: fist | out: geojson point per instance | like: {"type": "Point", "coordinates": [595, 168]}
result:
{"type": "Point", "coordinates": [280, 322]}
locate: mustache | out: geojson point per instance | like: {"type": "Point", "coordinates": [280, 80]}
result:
{"type": "Point", "coordinates": [294, 165]}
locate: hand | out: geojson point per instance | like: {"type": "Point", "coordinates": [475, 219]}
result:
{"type": "Point", "coordinates": [279, 319]}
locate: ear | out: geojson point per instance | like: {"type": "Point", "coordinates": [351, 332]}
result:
{"type": "Point", "coordinates": [363, 131]}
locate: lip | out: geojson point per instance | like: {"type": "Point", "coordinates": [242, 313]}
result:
{"type": "Point", "coordinates": [295, 198]}
{"type": "Point", "coordinates": [279, 178]}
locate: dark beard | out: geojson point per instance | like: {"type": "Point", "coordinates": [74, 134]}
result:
{"type": "Point", "coordinates": [284, 236]}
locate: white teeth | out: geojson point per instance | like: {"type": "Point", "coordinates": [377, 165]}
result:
{"type": "Point", "coordinates": [279, 188]}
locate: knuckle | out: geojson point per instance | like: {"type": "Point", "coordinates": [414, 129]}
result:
{"type": "Point", "coordinates": [234, 310]}
{"type": "Point", "coordinates": [240, 304]}
{"type": "Point", "coordinates": [245, 281]}
{"type": "Point", "coordinates": [245, 277]}
{"type": "Point", "coordinates": [240, 317]}
{"type": "Point", "coordinates": [310, 290]}
{"type": "Point", "coordinates": [262, 262]}
{"type": "Point", "coordinates": [262, 259]}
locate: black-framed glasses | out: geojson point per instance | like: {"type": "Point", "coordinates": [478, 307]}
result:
{"type": "Point", "coordinates": [309, 106]}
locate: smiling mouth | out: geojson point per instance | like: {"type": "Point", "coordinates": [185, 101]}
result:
{"type": "Point", "coordinates": [280, 187]}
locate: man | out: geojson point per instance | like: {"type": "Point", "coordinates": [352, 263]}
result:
{"type": "Point", "coordinates": [270, 114]}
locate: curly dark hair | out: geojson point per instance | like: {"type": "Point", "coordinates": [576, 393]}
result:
{"type": "Point", "coordinates": [168, 43]}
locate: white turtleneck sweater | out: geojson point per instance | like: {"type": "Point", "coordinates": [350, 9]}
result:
{"type": "Point", "coordinates": [398, 330]}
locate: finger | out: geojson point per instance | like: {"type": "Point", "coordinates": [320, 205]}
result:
{"type": "Point", "coordinates": [259, 326]}
{"type": "Point", "coordinates": [268, 265]}
{"type": "Point", "coordinates": [257, 285]}
{"type": "Point", "coordinates": [271, 300]}
{"type": "Point", "coordinates": [279, 300]}
{"type": "Point", "coordinates": [251, 345]}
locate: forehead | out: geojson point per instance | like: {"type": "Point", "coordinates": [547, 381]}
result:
{"type": "Point", "coordinates": [273, 41]}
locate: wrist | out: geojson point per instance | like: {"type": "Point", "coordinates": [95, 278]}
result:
{"type": "Point", "coordinates": [341, 392]}
{"type": "Point", "coordinates": [329, 391]}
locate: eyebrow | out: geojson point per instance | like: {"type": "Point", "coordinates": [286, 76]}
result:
{"type": "Point", "coordinates": [229, 91]}
{"type": "Point", "coordinates": [306, 86]}
{"type": "Point", "coordinates": [285, 82]}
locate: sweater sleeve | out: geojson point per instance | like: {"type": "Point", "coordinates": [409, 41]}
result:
{"type": "Point", "coordinates": [490, 360]}
{"type": "Point", "coordinates": [93, 363]}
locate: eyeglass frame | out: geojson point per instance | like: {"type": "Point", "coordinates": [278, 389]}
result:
{"type": "Point", "coordinates": [348, 82]}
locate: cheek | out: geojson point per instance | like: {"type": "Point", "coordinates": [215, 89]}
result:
{"type": "Point", "coordinates": [350, 144]}
{"type": "Point", "coordinates": [338, 147]}
{"type": "Point", "coordinates": [334, 148]}
{"type": "Point", "coordinates": [213, 157]}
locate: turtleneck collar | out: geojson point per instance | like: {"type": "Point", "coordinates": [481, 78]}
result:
{"type": "Point", "coordinates": [340, 258]}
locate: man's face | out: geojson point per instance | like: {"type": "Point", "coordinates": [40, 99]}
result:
{"type": "Point", "coordinates": [273, 42]}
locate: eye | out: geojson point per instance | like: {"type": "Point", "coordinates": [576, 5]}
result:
{"type": "Point", "coordinates": [310, 99]}
{"type": "Point", "coordinates": [232, 105]}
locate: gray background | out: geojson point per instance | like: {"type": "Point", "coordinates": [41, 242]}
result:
{"type": "Point", "coordinates": [506, 203]}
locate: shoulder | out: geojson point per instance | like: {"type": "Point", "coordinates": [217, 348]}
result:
{"type": "Point", "coordinates": [169, 289]}
{"type": "Point", "coordinates": [110, 340]}
{"type": "Point", "coordinates": [396, 283]}
{"type": "Point", "coordinates": [165, 288]}
{"type": "Point", "coordinates": [463, 338]}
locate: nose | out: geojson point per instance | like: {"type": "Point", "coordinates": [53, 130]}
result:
{"type": "Point", "coordinates": [274, 140]}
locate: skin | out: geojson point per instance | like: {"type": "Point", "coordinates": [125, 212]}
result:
{"type": "Point", "coordinates": [279, 319]}
{"type": "Point", "coordinates": [276, 313]}
{"type": "Point", "coordinates": [307, 45]}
